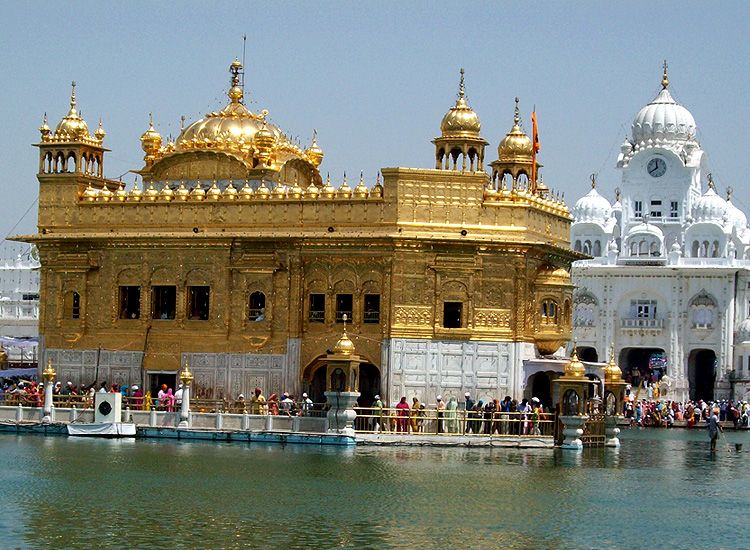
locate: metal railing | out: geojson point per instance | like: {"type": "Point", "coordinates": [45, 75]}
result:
{"type": "Point", "coordinates": [642, 322]}
{"type": "Point", "coordinates": [457, 422]}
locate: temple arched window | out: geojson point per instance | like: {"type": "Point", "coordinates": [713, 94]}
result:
{"type": "Point", "coordinates": [257, 307]}
{"type": "Point", "coordinates": [72, 305]}
{"type": "Point", "coordinates": [695, 249]}
{"type": "Point", "coordinates": [597, 250]}
{"type": "Point", "coordinates": [549, 312]}
{"type": "Point", "coordinates": [577, 246]}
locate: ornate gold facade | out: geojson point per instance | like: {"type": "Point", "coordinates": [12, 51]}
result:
{"type": "Point", "coordinates": [232, 210]}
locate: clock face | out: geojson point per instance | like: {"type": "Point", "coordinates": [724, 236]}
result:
{"type": "Point", "coordinates": [656, 167]}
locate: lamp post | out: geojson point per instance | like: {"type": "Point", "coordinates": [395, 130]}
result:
{"type": "Point", "coordinates": [186, 377]}
{"type": "Point", "coordinates": [48, 375]}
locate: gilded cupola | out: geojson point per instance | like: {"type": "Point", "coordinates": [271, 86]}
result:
{"type": "Point", "coordinates": [516, 146]}
{"type": "Point", "coordinates": [460, 146]}
{"type": "Point", "coordinates": [72, 127]}
{"type": "Point", "coordinates": [150, 141]}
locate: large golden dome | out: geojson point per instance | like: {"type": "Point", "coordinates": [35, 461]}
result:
{"type": "Point", "coordinates": [516, 146]}
{"type": "Point", "coordinates": [460, 120]}
{"type": "Point", "coordinates": [72, 126]}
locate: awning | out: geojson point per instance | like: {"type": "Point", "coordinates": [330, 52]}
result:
{"type": "Point", "coordinates": [26, 373]}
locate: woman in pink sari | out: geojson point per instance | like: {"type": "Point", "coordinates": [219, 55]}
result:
{"type": "Point", "coordinates": [169, 400]}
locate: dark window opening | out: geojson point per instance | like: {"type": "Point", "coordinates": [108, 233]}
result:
{"type": "Point", "coordinates": [163, 302]}
{"type": "Point", "coordinates": [257, 311]}
{"type": "Point", "coordinates": [452, 314]}
{"type": "Point", "coordinates": [32, 296]}
{"type": "Point", "coordinates": [317, 311]}
{"type": "Point", "coordinates": [198, 298]}
{"type": "Point", "coordinates": [75, 310]}
{"type": "Point", "coordinates": [130, 302]}
{"type": "Point", "coordinates": [372, 308]}
{"type": "Point", "coordinates": [343, 307]}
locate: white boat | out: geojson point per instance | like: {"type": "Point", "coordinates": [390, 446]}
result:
{"type": "Point", "coordinates": [103, 429]}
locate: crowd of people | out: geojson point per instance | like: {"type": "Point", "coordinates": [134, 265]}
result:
{"type": "Point", "coordinates": [665, 413]}
{"type": "Point", "coordinates": [490, 417]}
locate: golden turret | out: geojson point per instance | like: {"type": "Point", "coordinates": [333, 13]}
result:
{"type": "Point", "coordinates": [612, 373]}
{"type": "Point", "coordinates": [230, 192]}
{"type": "Point", "coordinates": [314, 152]}
{"type": "Point", "coordinates": [344, 346]}
{"type": "Point", "coordinates": [44, 129]}
{"type": "Point", "coordinates": [516, 146]}
{"type": "Point", "coordinates": [328, 191]}
{"type": "Point", "coordinates": [344, 191]}
{"type": "Point", "coordinates": [100, 133]}
{"type": "Point", "coordinates": [575, 368]}
{"type": "Point", "coordinates": [360, 191]}
{"type": "Point", "coordinates": [150, 141]}
{"type": "Point", "coordinates": [72, 127]}
{"type": "Point", "coordinates": [213, 193]}
{"type": "Point", "coordinates": [246, 193]}
{"type": "Point", "coordinates": [197, 193]}
{"type": "Point", "coordinates": [182, 193]}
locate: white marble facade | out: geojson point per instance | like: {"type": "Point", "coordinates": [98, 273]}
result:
{"type": "Point", "coordinates": [670, 272]}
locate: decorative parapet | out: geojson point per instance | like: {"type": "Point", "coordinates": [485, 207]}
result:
{"type": "Point", "coordinates": [492, 319]}
{"type": "Point", "coordinates": [413, 316]}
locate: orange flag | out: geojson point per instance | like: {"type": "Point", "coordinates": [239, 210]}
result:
{"type": "Point", "coordinates": [535, 149]}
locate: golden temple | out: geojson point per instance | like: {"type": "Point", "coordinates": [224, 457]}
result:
{"type": "Point", "coordinates": [236, 255]}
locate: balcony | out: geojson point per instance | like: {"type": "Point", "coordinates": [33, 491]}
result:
{"type": "Point", "coordinates": [643, 323]}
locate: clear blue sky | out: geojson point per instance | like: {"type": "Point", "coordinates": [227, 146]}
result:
{"type": "Point", "coordinates": [376, 78]}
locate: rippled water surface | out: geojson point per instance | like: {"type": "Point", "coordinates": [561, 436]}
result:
{"type": "Point", "coordinates": [662, 488]}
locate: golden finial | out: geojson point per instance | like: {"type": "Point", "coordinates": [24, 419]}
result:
{"type": "Point", "coordinates": [44, 128]}
{"type": "Point", "coordinates": [516, 113]}
{"type": "Point", "coordinates": [73, 95]}
{"type": "Point", "coordinates": [593, 181]}
{"type": "Point", "coordinates": [49, 372]}
{"type": "Point", "coordinates": [186, 376]}
{"type": "Point", "coordinates": [344, 346]}
{"type": "Point", "coordinates": [100, 133]}
{"type": "Point", "coordinates": [665, 78]}
{"type": "Point", "coordinates": [461, 89]}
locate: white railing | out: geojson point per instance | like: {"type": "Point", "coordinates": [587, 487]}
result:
{"type": "Point", "coordinates": [643, 322]}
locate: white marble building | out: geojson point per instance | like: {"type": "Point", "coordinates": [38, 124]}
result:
{"type": "Point", "coordinates": [19, 302]}
{"type": "Point", "coordinates": [669, 282]}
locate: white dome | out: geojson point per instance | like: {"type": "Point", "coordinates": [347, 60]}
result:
{"type": "Point", "coordinates": [735, 216]}
{"type": "Point", "coordinates": [592, 207]}
{"type": "Point", "coordinates": [710, 207]}
{"type": "Point", "coordinates": [645, 228]}
{"type": "Point", "coordinates": [743, 331]}
{"type": "Point", "coordinates": [663, 119]}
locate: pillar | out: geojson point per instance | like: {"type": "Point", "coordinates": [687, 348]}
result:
{"type": "Point", "coordinates": [49, 376]}
{"type": "Point", "coordinates": [186, 377]}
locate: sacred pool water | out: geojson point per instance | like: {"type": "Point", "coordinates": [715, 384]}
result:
{"type": "Point", "coordinates": [661, 488]}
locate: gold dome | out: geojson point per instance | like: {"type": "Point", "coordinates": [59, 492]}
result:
{"type": "Point", "coordinates": [135, 194]}
{"type": "Point", "coordinates": [295, 191]}
{"type": "Point", "coordinates": [460, 120]}
{"type": "Point", "coordinates": [314, 152]}
{"type": "Point", "coordinates": [279, 191]}
{"type": "Point", "coordinates": [213, 193]}
{"type": "Point", "coordinates": [328, 191]}
{"type": "Point", "coordinates": [151, 139]}
{"type": "Point", "coordinates": [312, 191]}
{"type": "Point", "coordinates": [344, 346]}
{"type": "Point", "coordinates": [246, 193]}
{"type": "Point", "coordinates": [197, 193]}
{"type": "Point", "coordinates": [516, 146]}
{"type": "Point", "coordinates": [89, 194]}
{"type": "Point", "coordinates": [575, 368]}
{"type": "Point", "coordinates": [105, 195]}
{"type": "Point", "coordinates": [551, 275]}
{"type": "Point", "coordinates": [230, 192]}
{"type": "Point", "coordinates": [344, 191]}
{"type": "Point", "coordinates": [151, 194]}
{"type": "Point", "coordinates": [166, 194]}
{"type": "Point", "coordinates": [182, 193]}
{"type": "Point", "coordinates": [612, 373]}
{"type": "Point", "coordinates": [360, 191]}
{"type": "Point", "coordinates": [263, 192]}
{"type": "Point", "coordinates": [72, 126]}
{"type": "Point", "coordinates": [121, 194]}
{"type": "Point", "coordinates": [100, 133]}
{"type": "Point", "coordinates": [377, 190]}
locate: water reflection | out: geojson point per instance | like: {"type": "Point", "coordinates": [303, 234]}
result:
{"type": "Point", "coordinates": [209, 494]}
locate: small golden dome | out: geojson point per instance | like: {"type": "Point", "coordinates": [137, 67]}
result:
{"type": "Point", "coordinates": [197, 193]}
{"type": "Point", "coordinates": [230, 192]}
{"type": "Point", "coordinates": [551, 275]}
{"type": "Point", "coordinates": [121, 195]}
{"type": "Point", "coordinates": [279, 191]}
{"type": "Point", "coordinates": [166, 194]}
{"type": "Point", "coordinates": [151, 139]}
{"type": "Point", "coordinates": [360, 191]}
{"type": "Point", "coordinates": [312, 191]}
{"type": "Point", "coordinates": [460, 120]}
{"type": "Point", "coordinates": [314, 152]}
{"type": "Point", "coordinates": [344, 346]}
{"type": "Point", "coordinates": [328, 191]}
{"type": "Point", "coordinates": [490, 193]}
{"type": "Point", "coordinates": [612, 373]}
{"type": "Point", "coordinates": [377, 190]}
{"type": "Point", "coordinates": [151, 194]}
{"type": "Point", "coordinates": [213, 193]}
{"type": "Point", "coordinates": [295, 191]}
{"type": "Point", "coordinates": [72, 126]}
{"type": "Point", "coordinates": [135, 194]}
{"type": "Point", "coordinates": [182, 193]}
{"type": "Point", "coordinates": [246, 193]}
{"type": "Point", "coordinates": [44, 129]}
{"type": "Point", "coordinates": [100, 133]}
{"type": "Point", "coordinates": [263, 192]}
{"type": "Point", "coordinates": [575, 368]}
{"type": "Point", "coordinates": [516, 146]}
{"type": "Point", "coordinates": [89, 194]}
{"type": "Point", "coordinates": [105, 195]}
{"type": "Point", "coordinates": [344, 191]}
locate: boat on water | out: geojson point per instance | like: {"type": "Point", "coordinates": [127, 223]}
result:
{"type": "Point", "coordinates": [107, 419]}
